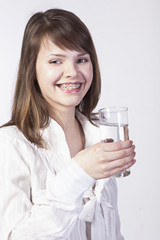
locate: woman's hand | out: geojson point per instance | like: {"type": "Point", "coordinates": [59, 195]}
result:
{"type": "Point", "coordinates": [104, 160]}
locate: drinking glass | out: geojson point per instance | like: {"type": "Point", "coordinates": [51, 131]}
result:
{"type": "Point", "coordinates": [113, 124]}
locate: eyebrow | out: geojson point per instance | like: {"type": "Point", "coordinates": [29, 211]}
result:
{"type": "Point", "coordinates": [62, 55]}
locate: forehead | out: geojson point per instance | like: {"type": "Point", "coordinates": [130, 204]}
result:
{"type": "Point", "coordinates": [47, 45]}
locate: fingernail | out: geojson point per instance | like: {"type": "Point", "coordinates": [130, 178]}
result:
{"type": "Point", "coordinates": [127, 144]}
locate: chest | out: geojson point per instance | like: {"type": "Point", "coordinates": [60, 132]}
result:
{"type": "Point", "coordinates": [76, 143]}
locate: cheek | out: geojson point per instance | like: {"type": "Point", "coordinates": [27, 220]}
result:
{"type": "Point", "coordinates": [44, 76]}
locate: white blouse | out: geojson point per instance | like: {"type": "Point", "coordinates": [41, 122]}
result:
{"type": "Point", "coordinates": [46, 195]}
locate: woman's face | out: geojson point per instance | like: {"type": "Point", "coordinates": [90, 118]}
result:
{"type": "Point", "coordinates": [64, 76]}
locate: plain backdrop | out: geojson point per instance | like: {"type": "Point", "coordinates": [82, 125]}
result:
{"type": "Point", "coordinates": [127, 38]}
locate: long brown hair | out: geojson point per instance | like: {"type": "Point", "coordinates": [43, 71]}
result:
{"type": "Point", "coordinates": [30, 110]}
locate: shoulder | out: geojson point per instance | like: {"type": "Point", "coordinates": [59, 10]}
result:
{"type": "Point", "coordinates": [9, 132]}
{"type": "Point", "coordinates": [87, 125]}
{"type": "Point", "coordinates": [16, 152]}
{"type": "Point", "coordinates": [11, 136]}
{"type": "Point", "coordinates": [91, 131]}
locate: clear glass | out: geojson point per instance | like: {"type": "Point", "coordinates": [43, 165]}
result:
{"type": "Point", "coordinates": [113, 124]}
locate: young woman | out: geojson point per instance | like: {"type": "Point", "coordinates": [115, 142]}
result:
{"type": "Point", "coordinates": [54, 171]}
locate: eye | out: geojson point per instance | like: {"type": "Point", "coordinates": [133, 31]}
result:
{"type": "Point", "coordinates": [82, 60]}
{"type": "Point", "coordinates": [55, 61]}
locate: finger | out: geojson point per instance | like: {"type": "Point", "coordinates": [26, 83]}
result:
{"type": "Point", "coordinates": [115, 155]}
{"type": "Point", "coordinates": [115, 146]}
{"type": "Point", "coordinates": [119, 169]}
{"type": "Point", "coordinates": [119, 163]}
{"type": "Point", "coordinates": [126, 166]}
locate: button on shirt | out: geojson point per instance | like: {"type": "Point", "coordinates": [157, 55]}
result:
{"type": "Point", "coordinates": [46, 195]}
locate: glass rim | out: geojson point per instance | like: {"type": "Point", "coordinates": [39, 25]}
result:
{"type": "Point", "coordinates": [114, 109]}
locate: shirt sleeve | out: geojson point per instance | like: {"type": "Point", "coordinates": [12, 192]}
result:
{"type": "Point", "coordinates": [53, 213]}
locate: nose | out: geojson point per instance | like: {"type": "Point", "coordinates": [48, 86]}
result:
{"type": "Point", "coordinates": [70, 70]}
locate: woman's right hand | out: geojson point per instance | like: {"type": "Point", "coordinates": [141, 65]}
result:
{"type": "Point", "coordinates": [104, 160]}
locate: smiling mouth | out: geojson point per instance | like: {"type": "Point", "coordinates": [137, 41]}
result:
{"type": "Point", "coordinates": [69, 86]}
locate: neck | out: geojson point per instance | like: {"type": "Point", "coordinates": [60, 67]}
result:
{"type": "Point", "coordinates": [66, 118]}
{"type": "Point", "coordinates": [72, 129]}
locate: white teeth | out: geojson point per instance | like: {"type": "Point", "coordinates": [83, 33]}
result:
{"type": "Point", "coordinates": [69, 86]}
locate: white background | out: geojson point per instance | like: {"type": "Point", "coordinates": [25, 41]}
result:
{"type": "Point", "coordinates": [127, 39]}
